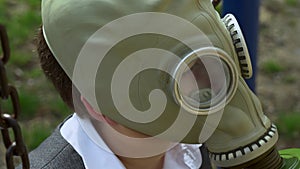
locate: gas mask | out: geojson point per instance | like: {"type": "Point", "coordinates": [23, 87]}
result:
{"type": "Point", "coordinates": [169, 69]}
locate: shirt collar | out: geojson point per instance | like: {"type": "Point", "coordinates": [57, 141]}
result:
{"type": "Point", "coordinates": [80, 133]}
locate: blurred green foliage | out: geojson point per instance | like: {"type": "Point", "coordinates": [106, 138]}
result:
{"type": "Point", "coordinates": [39, 131]}
{"type": "Point", "coordinates": [219, 8]}
{"type": "Point", "coordinates": [292, 2]}
{"type": "Point", "coordinates": [290, 79]}
{"type": "Point", "coordinates": [272, 66]}
{"type": "Point", "coordinates": [41, 107]}
{"type": "Point", "coordinates": [288, 124]}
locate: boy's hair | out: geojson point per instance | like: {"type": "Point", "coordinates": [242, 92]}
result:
{"type": "Point", "coordinates": [53, 70]}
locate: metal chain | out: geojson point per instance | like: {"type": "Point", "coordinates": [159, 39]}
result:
{"type": "Point", "coordinates": [7, 120]}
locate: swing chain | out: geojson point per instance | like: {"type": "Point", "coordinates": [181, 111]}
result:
{"type": "Point", "coordinates": [7, 120]}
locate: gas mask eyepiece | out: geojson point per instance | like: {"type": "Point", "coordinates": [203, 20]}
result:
{"type": "Point", "coordinates": [205, 80]}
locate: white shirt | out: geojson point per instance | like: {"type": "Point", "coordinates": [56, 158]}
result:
{"type": "Point", "coordinates": [82, 136]}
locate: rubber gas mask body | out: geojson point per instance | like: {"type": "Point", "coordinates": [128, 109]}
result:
{"type": "Point", "coordinates": [169, 69]}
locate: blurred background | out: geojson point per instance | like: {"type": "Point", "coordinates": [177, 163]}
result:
{"type": "Point", "coordinates": [277, 84]}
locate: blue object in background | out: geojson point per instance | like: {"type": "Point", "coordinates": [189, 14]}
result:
{"type": "Point", "coordinates": [247, 14]}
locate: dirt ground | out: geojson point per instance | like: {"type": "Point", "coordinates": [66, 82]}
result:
{"type": "Point", "coordinates": [279, 43]}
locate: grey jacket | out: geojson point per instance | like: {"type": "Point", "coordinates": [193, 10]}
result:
{"type": "Point", "coordinates": [56, 153]}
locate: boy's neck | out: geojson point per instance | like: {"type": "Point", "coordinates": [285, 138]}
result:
{"type": "Point", "coordinates": [133, 149]}
{"type": "Point", "coordinates": [155, 162]}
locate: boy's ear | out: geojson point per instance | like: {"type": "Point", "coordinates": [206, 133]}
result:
{"type": "Point", "coordinates": [96, 115]}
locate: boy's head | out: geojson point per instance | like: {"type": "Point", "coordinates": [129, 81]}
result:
{"type": "Point", "coordinates": [93, 40]}
{"type": "Point", "coordinates": [138, 62]}
{"type": "Point", "coordinates": [171, 69]}
{"type": "Point", "coordinates": [141, 63]}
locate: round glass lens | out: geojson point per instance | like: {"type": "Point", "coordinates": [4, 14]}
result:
{"type": "Point", "coordinates": [204, 82]}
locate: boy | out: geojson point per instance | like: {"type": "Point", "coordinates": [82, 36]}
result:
{"type": "Point", "coordinates": [145, 78]}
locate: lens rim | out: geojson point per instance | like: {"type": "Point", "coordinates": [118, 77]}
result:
{"type": "Point", "coordinates": [181, 68]}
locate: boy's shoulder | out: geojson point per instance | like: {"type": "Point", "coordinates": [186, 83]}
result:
{"type": "Point", "coordinates": [55, 152]}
